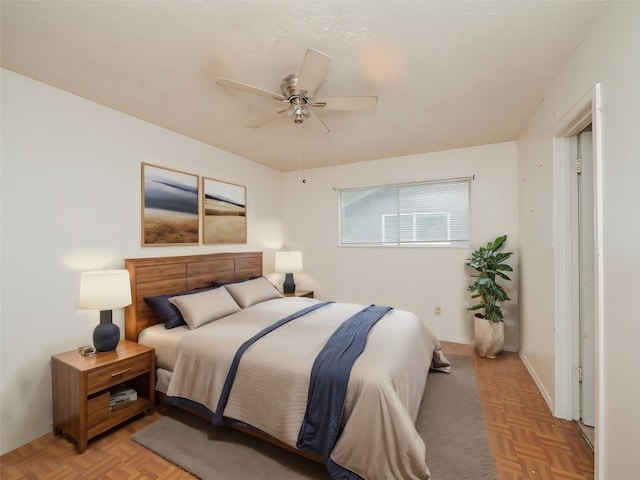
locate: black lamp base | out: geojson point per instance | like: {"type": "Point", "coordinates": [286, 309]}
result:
{"type": "Point", "coordinates": [289, 285]}
{"type": "Point", "coordinates": [106, 335]}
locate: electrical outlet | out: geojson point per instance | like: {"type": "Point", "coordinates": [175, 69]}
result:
{"type": "Point", "coordinates": [437, 310]}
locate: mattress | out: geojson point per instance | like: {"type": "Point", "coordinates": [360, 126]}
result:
{"type": "Point", "coordinates": [166, 343]}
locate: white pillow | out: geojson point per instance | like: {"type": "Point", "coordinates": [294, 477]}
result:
{"type": "Point", "coordinates": [252, 291]}
{"type": "Point", "coordinates": [198, 309]}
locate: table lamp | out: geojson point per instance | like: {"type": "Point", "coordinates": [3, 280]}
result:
{"type": "Point", "coordinates": [105, 290]}
{"type": "Point", "coordinates": [288, 263]}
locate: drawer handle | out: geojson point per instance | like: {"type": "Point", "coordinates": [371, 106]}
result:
{"type": "Point", "coordinates": [120, 373]}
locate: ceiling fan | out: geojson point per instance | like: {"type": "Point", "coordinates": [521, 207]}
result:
{"type": "Point", "coordinates": [298, 90]}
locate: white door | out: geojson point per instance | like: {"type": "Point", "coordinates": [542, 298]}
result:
{"type": "Point", "coordinates": [586, 277]}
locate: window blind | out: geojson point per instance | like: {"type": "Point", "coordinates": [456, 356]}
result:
{"type": "Point", "coordinates": [426, 213]}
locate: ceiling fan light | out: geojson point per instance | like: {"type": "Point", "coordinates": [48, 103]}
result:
{"type": "Point", "coordinates": [299, 111]}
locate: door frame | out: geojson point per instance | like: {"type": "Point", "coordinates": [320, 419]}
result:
{"type": "Point", "coordinates": [586, 111]}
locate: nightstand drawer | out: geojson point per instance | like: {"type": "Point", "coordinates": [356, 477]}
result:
{"type": "Point", "coordinates": [116, 373]}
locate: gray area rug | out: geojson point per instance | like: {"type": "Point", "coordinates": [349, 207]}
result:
{"type": "Point", "coordinates": [450, 422]}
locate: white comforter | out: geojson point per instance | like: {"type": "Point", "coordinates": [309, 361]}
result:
{"type": "Point", "coordinates": [379, 440]}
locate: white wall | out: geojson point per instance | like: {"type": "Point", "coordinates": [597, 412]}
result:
{"type": "Point", "coordinates": [415, 279]}
{"type": "Point", "coordinates": [609, 55]}
{"type": "Point", "coordinates": [71, 202]}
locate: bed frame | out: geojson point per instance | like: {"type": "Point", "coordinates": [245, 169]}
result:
{"type": "Point", "coordinates": [162, 275]}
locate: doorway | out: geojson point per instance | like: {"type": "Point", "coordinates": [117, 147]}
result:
{"type": "Point", "coordinates": [578, 268]}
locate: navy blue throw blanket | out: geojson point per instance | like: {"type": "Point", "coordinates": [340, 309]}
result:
{"type": "Point", "coordinates": [328, 387]}
{"type": "Point", "coordinates": [218, 416]}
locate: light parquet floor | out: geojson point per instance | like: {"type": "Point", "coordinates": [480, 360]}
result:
{"type": "Point", "coordinates": [526, 441]}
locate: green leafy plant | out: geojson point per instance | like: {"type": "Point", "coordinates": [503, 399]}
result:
{"type": "Point", "coordinates": [489, 263]}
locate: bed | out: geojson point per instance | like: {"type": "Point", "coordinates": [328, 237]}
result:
{"type": "Point", "coordinates": [340, 383]}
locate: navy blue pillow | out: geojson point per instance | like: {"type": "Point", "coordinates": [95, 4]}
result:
{"type": "Point", "coordinates": [166, 311]}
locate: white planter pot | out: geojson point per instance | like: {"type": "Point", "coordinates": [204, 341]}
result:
{"type": "Point", "coordinates": [489, 337]}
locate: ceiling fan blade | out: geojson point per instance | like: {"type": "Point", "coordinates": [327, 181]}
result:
{"type": "Point", "coordinates": [259, 122]}
{"type": "Point", "coordinates": [347, 103]}
{"type": "Point", "coordinates": [243, 87]}
{"type": "Point", "coordinates": [317, 124]}
{"type": "Point", "coordinates": [315, 67]}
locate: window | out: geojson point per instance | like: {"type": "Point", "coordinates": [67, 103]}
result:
{"type": "Point", "coordinates": [427, 213]}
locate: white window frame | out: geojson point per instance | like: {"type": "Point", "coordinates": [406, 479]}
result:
{"type": "Point", "coordinates": [403, 243]}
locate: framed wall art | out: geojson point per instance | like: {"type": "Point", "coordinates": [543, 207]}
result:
{"type": "Point", "coordinates": [170, 214]}
{"type": "Point", "coordinates": [224, 212]}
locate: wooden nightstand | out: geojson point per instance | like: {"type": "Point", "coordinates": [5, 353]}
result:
{"type": "Point", "coordinates": [299, 293]}
{"type": "Point", "coordinates": [82, 387]}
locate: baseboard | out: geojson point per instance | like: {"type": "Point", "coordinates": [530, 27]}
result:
{"type": "Point", "coordinates": [543, 391]}
{"type": "Point", "coordinates": [463, 341]}
{"type": "Point", "coordinates": [470, 341]}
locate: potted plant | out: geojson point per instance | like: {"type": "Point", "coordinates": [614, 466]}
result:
{"type": "Point", "coordinates": [488, 324]}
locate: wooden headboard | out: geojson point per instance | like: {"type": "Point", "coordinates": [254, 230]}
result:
{"type": "Point", "coordinates": [163, 275]}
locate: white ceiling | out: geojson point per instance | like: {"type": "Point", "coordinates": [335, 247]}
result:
{"type": "Point", "coordinates": [447, 74]}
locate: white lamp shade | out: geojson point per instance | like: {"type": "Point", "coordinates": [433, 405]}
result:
{"type": "Point", "coordinates": [105, 289]}
{"type": "Point", "coordinates": [288, 262]}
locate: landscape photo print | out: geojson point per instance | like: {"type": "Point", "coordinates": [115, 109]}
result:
{"type": "Point", "coordinates": [224, 212]}
{"type": "Point", "coordinates": [170, 214]}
